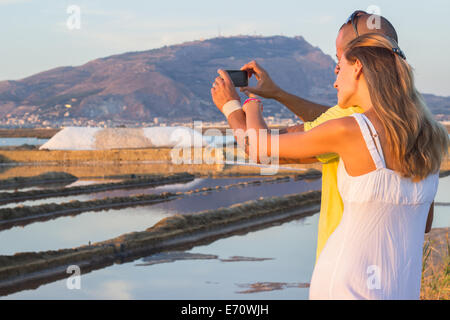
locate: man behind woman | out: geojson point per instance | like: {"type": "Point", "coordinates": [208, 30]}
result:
{"type": "Point", "coordinates": [387, 176]}
{"type": "Point", "coordinates": [313, 114]}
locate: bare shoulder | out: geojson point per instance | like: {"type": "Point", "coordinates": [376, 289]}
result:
{"type": "Point", "coordinates": [341, 126]}
{"type": "Point", "coordinates": [348, 123]}
{"type": "Point", "coordinates": [342, 133]}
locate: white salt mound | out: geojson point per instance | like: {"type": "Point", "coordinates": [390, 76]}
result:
{"type": "Point", "coordinates": [86, 138]}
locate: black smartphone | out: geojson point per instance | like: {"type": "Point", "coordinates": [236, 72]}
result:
{"type": "Point", "coordinates": [239, 78]}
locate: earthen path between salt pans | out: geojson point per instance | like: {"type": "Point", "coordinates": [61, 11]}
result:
{"type": "Point", "coordinates": [10, 217]}
{"type": "Point", "coordinates": [148, 182]}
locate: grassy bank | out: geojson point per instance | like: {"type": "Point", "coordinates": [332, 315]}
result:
{"type": "Point", "coordinates": [436, 266]}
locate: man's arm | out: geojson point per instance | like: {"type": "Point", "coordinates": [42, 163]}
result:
{"type": "Point", "coordinates": [305, 109]}
{"type": "Point", "coordinates": [223, 93]}
{"type": "Point", "coordinates": [237, 120]}
{"type": "Point", "coordinates": [266, 88]}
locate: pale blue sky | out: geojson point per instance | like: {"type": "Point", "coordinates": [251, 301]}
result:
{"type": "Point", "coordinates": [35, 37]}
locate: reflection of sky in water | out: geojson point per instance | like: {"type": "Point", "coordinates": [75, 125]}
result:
{"type": "Point", "coordinates": [79, 183]}
{"type": "Point", "coordinates": [292, 245]}
{"type": "Point", "coordinates": [81, 197]}
{"type": "Point", "coordinates": [197, 183]}
{"type": "Point", "coordinates": [67, 232]}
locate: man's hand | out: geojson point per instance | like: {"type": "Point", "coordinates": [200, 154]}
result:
{"type": "Point", "coordinates": [223, 90]}
{"type": "Point", "coordinates": [265, 87]}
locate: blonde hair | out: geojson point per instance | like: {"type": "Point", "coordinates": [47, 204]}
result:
{"type": "Point", "coordinates": [417, 141]}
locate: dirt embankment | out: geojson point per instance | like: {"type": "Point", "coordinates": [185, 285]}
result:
{"type": "Point", "coordinates": [171, 232]}
{"type": "Point", "coordinates": [41, 133]}
{"type": "Point", "coordinates": [191, 156]}
{"type": "Point", "coordinates": [147, 182]}
{"type": "Point", "coordinates": [44, 178]}
{"type": "Point", "coordinates": [210, 160]}
{"type": "Point", "coordinates": [77, 156]}
{"type": "Point", "coordinates": [94, 171]}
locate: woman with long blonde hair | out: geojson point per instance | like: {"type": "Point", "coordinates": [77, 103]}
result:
{"type": "Point", "coordinates": [388, 173]}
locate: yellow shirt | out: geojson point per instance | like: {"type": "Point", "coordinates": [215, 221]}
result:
{"type": "Point", "coordinates": [331, 207]}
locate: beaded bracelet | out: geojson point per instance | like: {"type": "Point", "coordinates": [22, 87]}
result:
{"type": "Point", "coordinates": [252, 99]}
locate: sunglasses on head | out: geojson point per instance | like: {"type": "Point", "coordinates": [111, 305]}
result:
{"type": "Point", "coordinates": [354, 20]}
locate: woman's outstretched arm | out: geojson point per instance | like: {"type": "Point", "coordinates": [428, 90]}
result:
{"type": "Point", "coordinates": [325, 138]}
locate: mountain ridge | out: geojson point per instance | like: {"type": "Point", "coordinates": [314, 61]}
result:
{"type": "Point", "coordinates": [171, 82]}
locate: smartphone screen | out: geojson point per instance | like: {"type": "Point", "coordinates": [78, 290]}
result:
{"type": "Point", "coordinates": [239, 78]}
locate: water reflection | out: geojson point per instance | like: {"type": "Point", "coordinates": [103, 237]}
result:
{"type": "Point", "coordinates": [196, 183]}
{"type": "Point", "coordinates": [166, 257]}
{"type": "Point", "coordinates": [73, 231]}
{"type": "Point", "coordinates": [172, 256]}
{"type": "Point", "coordinates": [269, 286]}
{"type": "Point", "coordinates": [291, 247]}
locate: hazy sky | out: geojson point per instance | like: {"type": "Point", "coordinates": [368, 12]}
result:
{"type": "Point", "coordinates": [35, 36]}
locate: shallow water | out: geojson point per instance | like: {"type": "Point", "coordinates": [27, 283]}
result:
{"type": "Point", "coordinates": [72, 231]}
{"type": "Point", "coordinates": [289, 247]}
{"type": "Point", "coordinates": [20, 141]}
{"type": "Point", "coordinates": [196, 183]}
{"type": "Point", "coordinates": [62, 185]}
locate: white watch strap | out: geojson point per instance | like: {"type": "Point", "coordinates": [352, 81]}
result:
{"type": "Point", "coordinates": [230, 107]}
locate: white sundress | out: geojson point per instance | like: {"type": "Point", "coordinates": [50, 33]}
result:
{"type": "Point", "coordinates": [376, 251]}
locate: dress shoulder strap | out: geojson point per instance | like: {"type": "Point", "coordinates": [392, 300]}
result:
{"type": "Point", "coordinates": [371, 138]}
{"type": "Point", "coordinates": [376, 138]}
